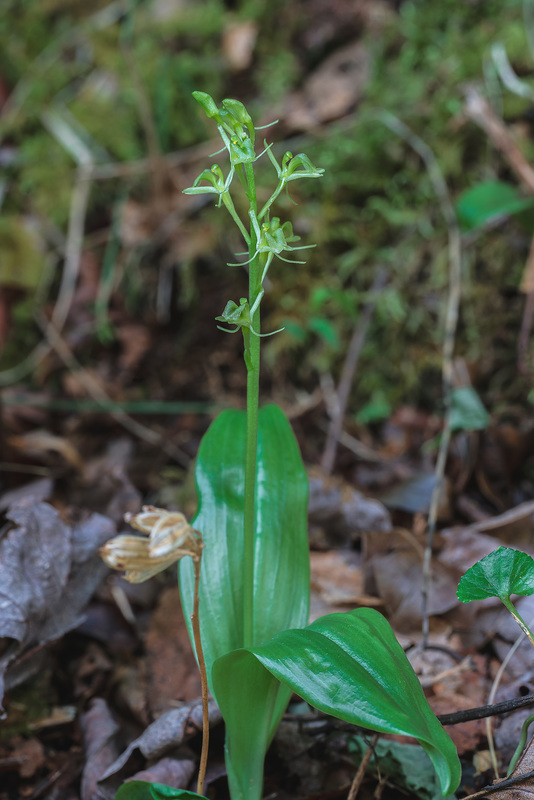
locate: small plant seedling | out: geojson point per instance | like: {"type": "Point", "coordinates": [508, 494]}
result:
{"type": "Point", "coordinates": [502, 573]}
{"type": "Point", "coordinates": [252, 600]}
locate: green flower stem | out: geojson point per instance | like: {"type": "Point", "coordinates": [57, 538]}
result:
{"type": "Point", "coordinates": [252, 361]}
{"type": "Point", "coordinates": [518, 618]}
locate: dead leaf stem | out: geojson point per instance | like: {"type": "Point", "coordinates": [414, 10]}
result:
{"type": "Point", "coordinates": [358, 778]}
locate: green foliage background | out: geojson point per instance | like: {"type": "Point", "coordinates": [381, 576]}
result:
{"type": "Point", "coordinates": [374, 207]}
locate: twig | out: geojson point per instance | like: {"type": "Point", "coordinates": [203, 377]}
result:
{"type": "Point", "coordinates": [73, 247]}
{"type": "Point", "coordinates": [358, 778]}
{"type": "Point", "coordinates": [451, 321]}
{"type": "Point", "coordinates": [347, 375]}
{"type": "Point", "coordinates": [491, 696]}
{"type": "Point", "coordinates": [483, 712]}
{"type": "Point", "coordinates": [97, 393]}
{"type": "Point", "coordinates": [480, 111]}
{"type": "Point", "coordinates": [454, 718]}
{"type": "Point", "coordinates": [195, 622]}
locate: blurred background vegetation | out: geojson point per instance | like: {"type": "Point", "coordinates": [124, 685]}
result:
{"type": "Point", "coordinates": [100, 134]}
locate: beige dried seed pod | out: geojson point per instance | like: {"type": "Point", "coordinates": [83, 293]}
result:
{"type": "Point", "coordinates": [170, 538]}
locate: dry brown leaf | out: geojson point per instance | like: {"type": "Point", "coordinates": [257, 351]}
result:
{"type": "Point", "coordinates": [238, 43]}
{"type": "Point", "coordinates": [336, 582]}
{"type": "Point", "coordinates": [99, 731]}
{"type": "Point", "coordinates": [520, 784]}
{"type": "Point", "coordinates": [48, 573]}
{"type": "Point", "coordinates": [169, 771]}
{"type": "Point", "coordinates": [30, 755]}
{"type": "Point", "coordinates": [398, 577]}
{"type": "Point", "coordinates": [332, 90]}
{"type": "Point", "coordinates": [166, 734]}
{"type": "Point", "coordinates": [43, 445]}
{"type": "Point", "coordinates": [338, 513]}
{"type": "Point", "coordinates": [466, 735]}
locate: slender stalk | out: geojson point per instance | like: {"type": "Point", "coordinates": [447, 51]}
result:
{"type": "Point", "coordinates": [518, 618]}
{"type": "Point", "coordinates": [195, 622]}
{"type": "Point", "coordinates": [252, 361]}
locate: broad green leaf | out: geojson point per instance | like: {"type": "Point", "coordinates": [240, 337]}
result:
{"type": "Point", "coordinates": [478, 205]}
{"type": "Point", "coordinates": [500, 574]}
{"type": "Point", "coordinates": [143, 790]}
{"type": "Point", "coordinates": [281, 560]}
{"type": "Point", "coordinates": [467, 411]}
{"type": "Point", "coordinates": [351, 666]}
{"type": "Point", "coordinates": [281, 567]}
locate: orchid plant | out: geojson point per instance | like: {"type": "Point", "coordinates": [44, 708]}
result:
{"type": "Point", "coordinates": [249, 594]}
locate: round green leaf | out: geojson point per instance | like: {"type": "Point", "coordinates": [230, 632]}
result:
{"type": "Point", "coordinates": [500, 574]}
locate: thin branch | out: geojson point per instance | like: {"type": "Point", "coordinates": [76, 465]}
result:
{"type": "Point", "coordinates": [482, 712]}
{"type": "Point", "coordinates": [451, 322]}
{"type": "Point", "coordinates": [480, 111]}
{"type": "Point", "coordinates": [507, 783]}
{"type": "Point", "coordinates": [347, 375]}
{"type": "Point", "coordinates": [73, 247]}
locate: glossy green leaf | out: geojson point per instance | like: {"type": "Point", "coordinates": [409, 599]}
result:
{"type": "Point", "coordinates": [281, 569]}
{"type": "Point", "coordinates": [467, 411]}
{"type": "Point", "coordinates": [482, 202]}
{"type": "Point", "coordinates": [281, 560]}
{"type": "Point", "coordinates": [351, 666]}
{"type": "Point", "coordinates": [144, 790]}
{"type": "Point", "coordinates": [500, 574]}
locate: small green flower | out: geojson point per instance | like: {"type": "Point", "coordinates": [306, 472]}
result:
{"type": "Point", "coordinates": [295, 167]}
{"type": "Point", "coordinates": [215, 177]}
